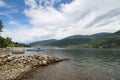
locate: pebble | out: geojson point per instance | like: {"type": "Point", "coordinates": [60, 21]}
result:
{"type": "Point", "coordinates": [18, 64]}
{"type": "Point", "coordinates": [35, 60]}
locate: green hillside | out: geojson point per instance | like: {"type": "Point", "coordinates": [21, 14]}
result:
{"type": "Point", "coordinates": [111, 40]}
{"type": "Point", "coordinates": [99, 40]}
{"type": "Point", "coordinates": [42, 43]}
{"type": "Point", "coordinates": [70, 41]}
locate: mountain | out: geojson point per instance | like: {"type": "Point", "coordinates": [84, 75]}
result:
{"type": "Point", "coordinates": [96, 40]}
{"type": "Point", "coordinates": [72, 40]}
{"type": "Point", "coordinates": [117, 33]}
{"type": "Point", "coordinates": [97, 35]}
{"type": "Point", "coordinates": [109, 40]}
{"type": "Point", "coordinates": [41, 43]}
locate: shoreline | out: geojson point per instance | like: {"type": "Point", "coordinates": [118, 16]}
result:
{"type": "Point", "coordinates": [31, 72]}
{"type": "Point", "coordinates": [12, 67]}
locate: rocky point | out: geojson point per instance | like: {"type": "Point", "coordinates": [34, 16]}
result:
{"type": "Point", "coordinates": [12, 66]}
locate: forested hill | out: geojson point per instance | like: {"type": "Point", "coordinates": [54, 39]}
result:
{"type": "Point", "coordinates": [42, 43]}
{"type": "Point", "coordinates": [99, 40]}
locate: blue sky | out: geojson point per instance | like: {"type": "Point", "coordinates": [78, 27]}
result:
{"type": "Point", "coordinates": [32, 20]}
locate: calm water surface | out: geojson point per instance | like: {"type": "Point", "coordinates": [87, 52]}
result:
{"type": "Point", "coordinates": [90, 64]}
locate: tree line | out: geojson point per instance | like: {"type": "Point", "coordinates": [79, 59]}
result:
{"type": "Point", "coordinates": [7, 42]}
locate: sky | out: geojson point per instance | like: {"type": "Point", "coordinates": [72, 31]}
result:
{"type": "Point", "coordinates": [27, 21]}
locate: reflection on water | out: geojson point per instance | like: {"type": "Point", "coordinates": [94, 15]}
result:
{"type": "Point", "coordinates": [91, 64]}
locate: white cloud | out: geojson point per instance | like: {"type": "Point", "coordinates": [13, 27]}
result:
{"type": "Point", "coordinates": [47, 22]}
{"type": "Point", "coordinates": [8, 9]}
{"type": "Point", "coordinates": [2, 3]}
{"type": "Point", "coordinates": [13, 23]}
{"type": "Point", "coordinates": [31, 3]}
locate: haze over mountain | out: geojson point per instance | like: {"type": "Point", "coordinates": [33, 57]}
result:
{"type": "Point", "coordinates": [95, 40]}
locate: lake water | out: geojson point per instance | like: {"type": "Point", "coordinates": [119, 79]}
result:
{"type": "Point", "coordinates": [89, 64]}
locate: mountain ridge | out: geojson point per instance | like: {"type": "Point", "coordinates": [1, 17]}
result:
{"type": "Point", "coordinates": [95, 40]}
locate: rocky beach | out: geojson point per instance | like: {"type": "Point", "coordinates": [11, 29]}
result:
{"type": "Point", "coordinates": [12, 66]}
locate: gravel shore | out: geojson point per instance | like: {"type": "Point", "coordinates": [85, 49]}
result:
{"type": "Point", "coordinates": [12, 66]}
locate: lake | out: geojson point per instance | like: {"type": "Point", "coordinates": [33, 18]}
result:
{"type": "Point", "coordinates": [87, 64]}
